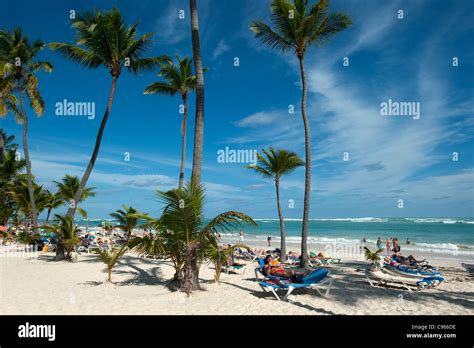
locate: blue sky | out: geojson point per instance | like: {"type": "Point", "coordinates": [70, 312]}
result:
{"type": "Point", "coordinates": [390, 158]}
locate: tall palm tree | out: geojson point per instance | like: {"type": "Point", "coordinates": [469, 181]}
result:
{"type": "Point", "coordinates": [19, 62]}
{"type": "Point", "coordinates": [177, 79]}
{"type": "Point", "coordinates": [199, 121]}
{"type": "Point", "coordinates": [127, 218]}
{"type": "Point", "coordinates": [298, 26]}
{"type": "Point", "coordinates": [53, 201]}
{"type": "Point", "coordinates": [103, 39]}
{"type": "Point", "coordinates": [276, 164]}
{"type": "Point", "coordinates": [7, 140]}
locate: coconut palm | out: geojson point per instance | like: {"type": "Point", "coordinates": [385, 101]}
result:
{"type": "Point", "coordinates": [53, 201]}
{"type": "Point", "coordinates": [8, 140]}
{"type": "Point", "coordinates": [68, 188]}
{"type": "Point", "coordinates": [373, 257]}
{"type": "Point", "coordinates": [10, 176]}
{"type": "Point", "coordinates": [20, 193]}
{"type": "Point", "coordinates": [105, 40]}
{"type": "Point", "coordinates": [127, 218]}
{"type": "Point", "coordinates": [219, 255]}
{"type": "Point", "coordinates": [66, 233]}
{"type": "Point", "coordinates": [19, 63]}
{"type": "Point", "coordinates": [177, 79]}
{"type": "Point", "coordinates": [183, 233]}
{"type": "Point", "coordinates": [296, 27]}
{"type": "Point", "coordinates": [110, 258]}
{"type": "Point", "coordinates": [274, 165]}
{"type": "Point", "coordinates": [199, 120]}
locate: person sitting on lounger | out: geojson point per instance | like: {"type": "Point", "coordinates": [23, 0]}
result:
{"type": "Point", "coordinates": [408, 260]}
{"type": "Point", "coordinates": [231, 262]}
{"type": "Point", "coordinates": [273, 270]}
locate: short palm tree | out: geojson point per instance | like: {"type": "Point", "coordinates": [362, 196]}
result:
{"type": "Point", "coordinates": [373, 257]}
{"type": "Point", "coordinates": [68, 188]}
{"type": "Point", "coordinates": [296, 27]}
{"type": "Point", "coordinates": [53, 201]}
{"type": "Point", "coordinates": [66, 233]}
{"type": "Point", "coordinates": [110, 258]}
{"type": "Point", "coordinates": [105, 40]}
{"type": "Point", "coordinates": [177, 79]}
{"type": "Point", "coordinates": [19, 64]}
{"type": "Point", "coordinates": [274, 165]}
{"type": "Point", "coordinates": [218, 255]}
{"type": "Point", "coordinates": [127, 218]}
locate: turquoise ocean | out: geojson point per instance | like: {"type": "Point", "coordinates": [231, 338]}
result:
{"type": "Point", "coordinates": [452, 235]}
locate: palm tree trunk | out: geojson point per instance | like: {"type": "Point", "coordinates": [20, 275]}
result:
{"type": "Point", "coordinates": [2, 145]}
{"type": "Point", "coordinates": [34, 216]}
{"type": "Point", "coordinates": [183, 142]}
{"type": "Point", "coordinates": [190, 280]}
{"type": "Point", "coordinates": [282, 222]}
{"type": "Point", "coordinates": [60, 251]}
{"type": "Point", "coordinates": [307, 184]}
{"type": "Point", "coordinates": [109, 279]}
{"type": "Point", "coordinates": [47, 216]}
{"type": "Point", "coordinates": [72, 210]}
{"type": "Point", "coordinates": [199, 122]}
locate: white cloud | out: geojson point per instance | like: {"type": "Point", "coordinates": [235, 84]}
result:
{"type": "Point", "coordinates": [221, 48]}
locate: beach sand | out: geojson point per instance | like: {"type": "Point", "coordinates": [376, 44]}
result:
{"type": "Point", "coordinates": [38, 285]}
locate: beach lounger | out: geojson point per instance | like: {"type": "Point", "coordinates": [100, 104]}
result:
{"type": "Point", "coordinates": [377, 278]}
{"type": "Point", "coordinates": [410, 272]}
{"type": "Point", "coordinates": [317, 280]}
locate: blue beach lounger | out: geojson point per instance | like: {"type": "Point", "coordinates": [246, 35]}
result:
{"type": "Point", "coordinates": [315, 280]}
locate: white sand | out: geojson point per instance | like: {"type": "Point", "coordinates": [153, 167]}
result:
{"type": "Point", "coordinates": [31, 285]}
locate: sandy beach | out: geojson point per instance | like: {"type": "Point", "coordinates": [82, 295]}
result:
{"type": "Point", "coordinates": [34, 284]}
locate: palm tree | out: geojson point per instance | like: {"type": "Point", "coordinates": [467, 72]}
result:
{"type": "Point", "coordinates": [298, 26]}
{"type": "Point", "coordinates": [373, 257]}
{"type": "Point", "coordinates": [20, 193]}
{"type": "Point", "coordinates": [127, 219]}
{"type": "Point", "coordinates": [19, 64]}
{"type": "Point", "coordinates": [5, 139]}
{"type": "Point", "coordinates": [103, 39]}
{"type": "Point", "coordinates": [66, 233]}
{"type": "Point", "coordinates": [110, 258]}
{"type": "Point", "coordinates": [183, 233]}
{"type": "Point", "coordinates": [183, 214]}
{"type": "Point", "coordinates": [199, 120]}
{"type": "Point", "coordinates": [53, 201]}
{"type": "Point", "coordinates": [219, 255]}
{"type": "Point", "coordinates": [68, 188]}
{"type": "Point", "coordinates": [178, 79]}
{"type": "Point", "coordinates": [276, 164]}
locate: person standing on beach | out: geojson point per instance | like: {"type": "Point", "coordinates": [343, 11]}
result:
{"type": "Point", "coordinates": [396, 245]}
{"type": "Point", "coordinates": [389, 246]}
{"type": "Point", "coordinates": [379, 244]}
{"type": "Point", "coordinates": [269, 241]}
{"type": "Point", "coordinates": [241, 236]}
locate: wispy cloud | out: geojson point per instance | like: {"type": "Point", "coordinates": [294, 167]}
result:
{"type": "Point", "coordinates": [221, 48]}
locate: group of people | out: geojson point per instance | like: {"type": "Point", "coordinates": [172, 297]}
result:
{"type": "Point", "coordinates": [392, 244]}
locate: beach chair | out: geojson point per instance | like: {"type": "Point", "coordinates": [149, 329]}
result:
{"type": "Point", "coordinates": [377, 278]}
{"type": "Point", "coordinates": [235, 268]}
{"type": "Point", "coordinates": [318, 280]}
{"type": "Point", "coordinates": [405, 271]}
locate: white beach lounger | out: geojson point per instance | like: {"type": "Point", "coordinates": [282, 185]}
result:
{"type": "Point", "coordinates": [377, 278]}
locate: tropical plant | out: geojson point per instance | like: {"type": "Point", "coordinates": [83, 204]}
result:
{"type": "Point", "coordinates": [127, 218]}
{"type": "Point", "coordinates": [10, 175]}
{"type": "Point", "coordinates": [199, 119]}
{"type": "Point", "coordinates": [183, 233]}
{"type": "Point", "coordinates": [110, 258]}
{"type": "Point", "coordinates": [66, 233]}
{"type": "Point", "coordinates": [274, 165]}
{"type": "Point", "coordinates": [219, 256]}
{"type": "Point", "coordinates": [296, 27]}
{"type": "Point", "coordinates": [177, 79]}
{"type": "Point", "coordinates": [7, 140]}
{"type": "Point", "coordinates": [21, 195]}
{"type": "Point", "coordinates": [108, 227]}
{"type": "Point", "coordinates": [19, 63]}
{"type": "Point", "coordinates": [103, 39]}
{"type": "Point", "coordinates": [68, 188]}
{"type": "Point", "coordinates": [53, 201]}
{"type": "Point", "coordinates": [373, 257]}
